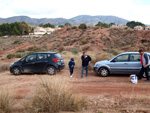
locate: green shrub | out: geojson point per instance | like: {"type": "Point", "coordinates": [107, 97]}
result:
{"type": "Point", "coordinates": [17, 42]}
{"type": "Point", "coordinates": [74, 27]}
{"type": "Point", "coordinates": [64, 52]}
{"type": "Point", "coordinates": [10, 56]}
{"type": "Point", "coordinates": [84, 42]}
{"type": "Point", "coordinates": [53, 96]}
{"type": "Point", "coordinates": [82, 26]}
{"type": "Point", "coordinates": [112, 51]}
{"type": "Point", "coordinates": [34, 48]}
{"type": "Point", "coordinates": [18, 56]}
{"type": "Point", "coordinates": [20, 50]}
{"type": "Point", "coordinates": [75, 51]}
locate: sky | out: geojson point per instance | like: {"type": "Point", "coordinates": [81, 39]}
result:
{"type": "Point", "coordinates": [137, 10]}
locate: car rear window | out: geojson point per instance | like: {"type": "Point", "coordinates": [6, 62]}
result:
{"type": "Point", "coordinates": [57, 56]}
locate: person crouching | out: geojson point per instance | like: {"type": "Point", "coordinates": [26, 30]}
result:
{"type": "Point", "coordinates": [71, 66]}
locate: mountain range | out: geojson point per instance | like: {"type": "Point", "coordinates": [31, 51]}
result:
{"type": "Point", "coordinates": [87, 19]}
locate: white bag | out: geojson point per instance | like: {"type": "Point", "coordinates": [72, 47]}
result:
{"type": "Point", "coordinates": [134, 79]}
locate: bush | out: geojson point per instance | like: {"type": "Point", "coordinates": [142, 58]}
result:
{"type": "Point", "coordinates": [17, 42]}
{"type": "Point", "coordinates": [74, 27]}
{"type": "Point", "coordinates": [10, 56]}
{"type": "Point", "coordinates": [84, 42]}
{"type": "Point", "coordinates": [85, 48]}
{"type": "Point", "coordinates": [61, 49]}
{"type": "Point", "coordinates": [103, 56]}
{"type": "Point", "coordinates": [6, 102]}
{"type": "Point", "coordinates": [82, 26]}
{"type": "Point", "coordinates": [20, 50]}
{"type": "Point", "coordinates": [34, 49]}
{"type": "Point", "coordinates": [18, 56]}
{"type": "Point", "coordinates": [4, 67]}
{"type": "Point", "coordinates": [75, 51]}
{"type": "Point", "coordinates": [54, 96]}
{"type": "Point", "coordinates": [112, 51]}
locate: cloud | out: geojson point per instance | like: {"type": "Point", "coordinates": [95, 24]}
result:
{"type": "Point", "coordinates": [137, 10]}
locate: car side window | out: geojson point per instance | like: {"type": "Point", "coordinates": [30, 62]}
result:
{"type": "Point", "coordinates": [48, 55]}
{"type": "Point", "coordinates": [31, 58]}
{"type": "Point", "coordinates": [122, 58]}
{"type": "Point", "coordinates": [135, 57]}
{"type": "Point", "coordinates": [41, 57]}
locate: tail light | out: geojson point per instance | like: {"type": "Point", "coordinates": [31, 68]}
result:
{"type": "Point", "coordinates": [56, 60]}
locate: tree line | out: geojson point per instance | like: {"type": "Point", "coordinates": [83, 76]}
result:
{"type": "Point", "coordinates": [22, 28]}
{"type": "Point", "coordinates": [17, 28]}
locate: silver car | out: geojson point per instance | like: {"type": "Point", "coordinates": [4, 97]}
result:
{"type": "Point", "coordinates": [124, 63]}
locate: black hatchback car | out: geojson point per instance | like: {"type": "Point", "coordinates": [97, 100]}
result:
{"type": "Point", "coordinates": [41, 62]}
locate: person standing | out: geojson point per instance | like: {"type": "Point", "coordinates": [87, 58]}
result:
{"type": "Point", "coordinates": [86, 60]}
{"type": "Point", "coordinates": [71, 66]}
{"type": "Point", "coordinates": [145, 65]}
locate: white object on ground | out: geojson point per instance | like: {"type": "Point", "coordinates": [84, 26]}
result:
{"type": "Point", "coordinates": [134, 79]}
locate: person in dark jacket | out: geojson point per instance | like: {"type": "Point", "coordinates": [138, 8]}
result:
{"type": "Point", "coordinates": [71, 66]}
{"type": "Point", "coordinates": [86, 60]}
{"type": "Point", "coordinates": [145, 65]}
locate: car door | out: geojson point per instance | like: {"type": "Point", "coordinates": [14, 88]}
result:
{"type": "Point", "coordinates": [119, 65]}
{"type": "Point", "coordinates": [28, 66]}
{"type": "Point", "coordinates": [41, 62]}
{"type": "Point", "coordinates": [134, 63]}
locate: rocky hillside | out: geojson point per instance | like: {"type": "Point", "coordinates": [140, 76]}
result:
{"type": "Point", "coordinates": [87, 19]}
{"type": "Point", "coordinates": [94, 39]}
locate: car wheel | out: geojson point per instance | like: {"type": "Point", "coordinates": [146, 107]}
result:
{"type": "Point", "coordinates": [104, 72]}
{"type": "Point", "coordinates": [16, 71]}
{"type": "Point", "coordinates": [51, 70]}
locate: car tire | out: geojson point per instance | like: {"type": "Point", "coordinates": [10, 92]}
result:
{"type": "Point", "coordinates": [104, 72]}
{"type": "Point", "coordinates": [16, 71]}
{"type": "Point", "coordinates": [51, 70]}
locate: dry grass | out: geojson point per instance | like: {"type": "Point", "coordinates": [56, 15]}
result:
{"type": "Point", "coordinates": [6, 101]}
{"type": "Point", "coordinates": [4, 67]}
{"type": "Point", "coordinates": [77, 57]}
{"type": "Point", "coordinates": [95, 57]}
{"type": "Point", "coordinates": [53, 96]}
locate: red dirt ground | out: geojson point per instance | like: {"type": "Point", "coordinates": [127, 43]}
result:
{"type": "Point", "coordinates": [116, 93]}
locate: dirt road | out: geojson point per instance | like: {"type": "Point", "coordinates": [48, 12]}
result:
{"type": "Point", "coordinates": [105, 94]}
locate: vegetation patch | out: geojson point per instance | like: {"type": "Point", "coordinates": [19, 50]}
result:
{"type": "Point", "coordinates": [53, 97]}
{"type": "Point", "coordinates": [84, 42]}
{"type": "Point", "coordinates": [6, 102]}
{"type": "Point", "coordinates": [4, 67]}
{"type": "Point", "coordinates": [75, 51]}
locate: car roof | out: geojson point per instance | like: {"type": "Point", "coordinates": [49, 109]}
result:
{"type": "Point", "coordinates": [45, 52]}
{"type": "Point", "coordinates": [131, 53]}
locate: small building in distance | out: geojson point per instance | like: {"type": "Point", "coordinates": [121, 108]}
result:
{"type": "Point", "coordinates": [147, 28]}
{"type": "Point", "coordinates": [41, 31]}
{"type": "Point", "coordinates": [138, 28]}
{"type": "Point", "coordinates": [119, 26]}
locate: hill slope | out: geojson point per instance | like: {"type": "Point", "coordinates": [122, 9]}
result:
{"type": "Point", "coordinates": [89, 20]}
{"type": "Point", "coordinates": [92, 39]}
